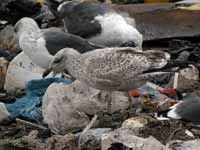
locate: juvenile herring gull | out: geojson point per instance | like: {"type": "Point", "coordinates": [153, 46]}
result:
{"type": "Point", "coordinates": [41, 45]}
{"type": "Point", "coordinates": [111, 69]}
{"type": "Point", "coordinates": [99, 24]}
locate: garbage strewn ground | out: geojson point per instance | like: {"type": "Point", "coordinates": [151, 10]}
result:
{"type": "Point", "coordinates": [60, 112]}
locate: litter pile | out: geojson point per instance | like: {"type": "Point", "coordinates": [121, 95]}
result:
{"type": "Point", "coordinates": [93, 75]}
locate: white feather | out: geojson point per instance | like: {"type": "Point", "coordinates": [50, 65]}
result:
{"type": "Point", "coordinates": [116, 31]}
{"type": "Point", "coordinates": [61, 5]}
{"type": "Point", "coordinates": [35, 49]}
{"type": "Point", "coordinates": [172, 113]}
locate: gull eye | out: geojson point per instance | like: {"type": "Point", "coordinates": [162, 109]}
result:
{"type": "Point", "coordinates": [58, 60]}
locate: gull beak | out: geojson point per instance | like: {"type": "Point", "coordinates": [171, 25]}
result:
{"type": "Point", "coordinates": [46, 72]}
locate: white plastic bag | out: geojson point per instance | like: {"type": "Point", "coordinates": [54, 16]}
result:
{"type": "Point", "coordinates": [21, 70]}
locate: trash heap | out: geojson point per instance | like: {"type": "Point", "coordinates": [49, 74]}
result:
{"type": "Point", "coordinates": [64, 113]}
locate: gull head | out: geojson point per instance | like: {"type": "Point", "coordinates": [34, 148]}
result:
{"type": "Point", "coordinates": [66, 7]}
{"type": "Point", "coordinates": [25, 24]}
{"type": "Point", "coordinates": [60, 61]}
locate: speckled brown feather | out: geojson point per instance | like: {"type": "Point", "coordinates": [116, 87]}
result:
{"type": "Point", "coordinates": [114, 68]}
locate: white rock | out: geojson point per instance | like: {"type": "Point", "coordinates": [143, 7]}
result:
{"type": "Point", "coordinates": [65, 106]}
{"type": "Point", "coordinates": [127, 140]}
{"type": "Point", "coordinates": [135, 122]}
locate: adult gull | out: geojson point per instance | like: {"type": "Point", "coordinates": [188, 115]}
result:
{"type": "Point", "coordinates": [40, 45]}
{"type": "Point", "coordinates": [187, 109]}
{"type": "Point", "coordinates": [99, 24]}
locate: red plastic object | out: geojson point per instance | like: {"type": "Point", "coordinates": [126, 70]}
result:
{"type": "Point", "coordinates": [169, 92]}
{"type": "Point", "coordinates": [134, 93]}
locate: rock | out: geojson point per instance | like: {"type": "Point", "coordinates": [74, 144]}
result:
{"type": "Point", "coordinates": [55, 142]}
{"type": "Point", "coordinates": [184, 145]}
{"type": "Point", "coordinates": [125, 139]}
{"type": "Point", "coordinates": [65, 106]}
{"type": "Point", "coordinates": [59, 142]}
{"type": "Point", "coordinates": [92, 139]}
{"type": "Point", "coordinates": [21, 70]}
{"type": "Point", "coordinates": [136, 123]}
{"type": "Point", "coordinates": [33, 141]}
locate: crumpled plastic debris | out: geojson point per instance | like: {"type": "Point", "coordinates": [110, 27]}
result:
{"type": "Point", "coordinates": [155, 98]}
{"type": "Point", "coordinates": [187, 79]}
{"type": "Point", "coordinates": [21, 70]}
{"type": "Point", "coordinates": [3, 70]}
{"type": "Point", "coordinates": [185, 50]}
{"type": "Point", "coordinates": [29, 106]}
{"type": "Point", "coordinates": [44, 17]}
{"type": "Point", "coordinates": [7, 39]}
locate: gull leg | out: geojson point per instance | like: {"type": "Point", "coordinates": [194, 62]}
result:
{"type": "Point", "coordinates": [109, 104]}
{"type": "Point", "coordinates": [85, 130]}
{"type": "Point", "coordinates": [130, 99]}
{"type": "Point", "coordinates": [108, 100]}
{"type": "Point", "coordinates": [67, 76]}
{"type": "Point", "coordinates": [54, 74]}
{"type": "Point", "coordinates": [95, 94]}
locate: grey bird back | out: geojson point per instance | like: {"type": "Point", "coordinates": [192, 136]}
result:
{"type": "Point", "coordinates": [56, 41]}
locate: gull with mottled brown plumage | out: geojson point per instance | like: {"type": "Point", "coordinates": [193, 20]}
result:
{"type": "Point", "coordinates": [111, 69]}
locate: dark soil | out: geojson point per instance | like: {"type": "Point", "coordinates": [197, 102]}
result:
{"type": "Point", "coordinates": [167, 130]}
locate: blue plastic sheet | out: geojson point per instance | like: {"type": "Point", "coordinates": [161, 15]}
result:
{"type": "Point", "coordinates": [29, 106]}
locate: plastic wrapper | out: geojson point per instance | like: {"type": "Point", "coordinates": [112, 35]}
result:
{"type": "Point", "coordinates": [21, 70]}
